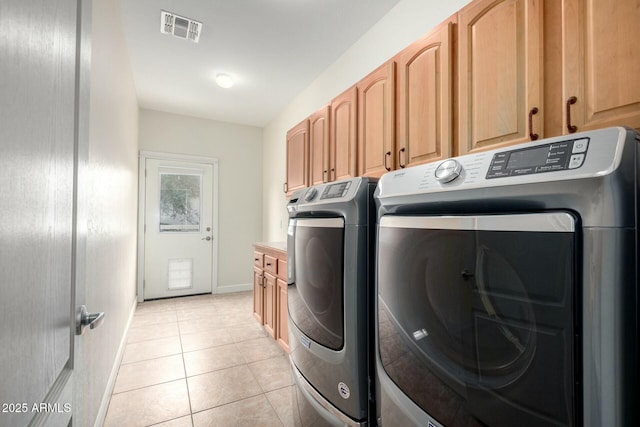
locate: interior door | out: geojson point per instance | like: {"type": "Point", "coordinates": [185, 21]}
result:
{"type": "Point", "coordinates": [38, 139]}
{"type": "Point", "coordinates": [179, 235]}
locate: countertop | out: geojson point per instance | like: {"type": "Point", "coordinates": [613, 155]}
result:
{"type": "Point", "coordinates": [279, 246]}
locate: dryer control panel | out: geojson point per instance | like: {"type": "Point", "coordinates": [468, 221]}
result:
{"type": "Point", "coordinates": [542, 158]}
{"type": "Point", "coordinates": [567, 157]}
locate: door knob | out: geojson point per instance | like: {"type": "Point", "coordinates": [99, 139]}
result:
{"type": "Point", "coordinates": [206, 238]}
{"type": "Point", "coordinates": [84, 319]}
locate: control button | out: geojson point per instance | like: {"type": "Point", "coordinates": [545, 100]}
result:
{"type": "Point", "coordinates": [523, 171]}
{"type": "Point", "coordinates": [576, 161]}
{"type": "Point", "coordinates": [497, 174]}
{"type": "Point", "coordinates": [580, 145]}
{"type": "Point", "coordinates": [555, 160]}
{"type": "Point", "coordinates": [448, 170]}
{"type": "Point", "coordinates": [310, 194]}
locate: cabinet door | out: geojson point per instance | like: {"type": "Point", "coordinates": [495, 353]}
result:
{"type": "Point", "coordinates": [297, 157]}
{"type": "Point", "coordinates": [344, 131]}
{"type": "Point", "coordinates": [424, 99]}
{"type": "Point", "coordinates": [270, 304]}
{"type": "Point", "coordinates": [282, 330]}
{"type": "Point", "coordinates": [376, 92]}
{"type": "Point", "coordinates": [319, 146]}
{"type": "Point", "coordinates": [258, 295]}
{"type": "Point", "coordinates": [500, 73]}
{"type": "Point", "coordinates": [601, 63]}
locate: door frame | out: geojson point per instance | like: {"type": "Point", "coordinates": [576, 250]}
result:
{"type": "Point", "coordinates": [143, 156]}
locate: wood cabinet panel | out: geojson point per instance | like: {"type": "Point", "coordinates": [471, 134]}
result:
{"type": "Point", "coordinates": [258, 295]}
{"type": "Point", "coordinates": [500, 73]}
{"type": "Point", "coordinates": [298, 157]}
{"type": "Point", "coordinates": [424, 94]}
{"type": "Point", "coordinates": [344, 132]}
{"type": "Point", "coordinates": [271, 264]}
{"type": "Point", "coordinates": [282, 328]}
{"type": "Point", "coordinates": [258, 258]}
{"type": "Point", "coordinates": [376, 120]}
{"type": "Point", "coordinates": [270, 292]}
{"type": "Point", "coordinates": [282, 269]}
{"type": "Point", "coordinates": [319, 146]}
{"type": "Point", "coordinates": [602, 63]}
{"type": "Point", "coordinates": [270, 304]}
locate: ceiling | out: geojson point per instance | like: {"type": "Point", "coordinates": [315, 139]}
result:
{"type": "Point", "coordinates": [273, 49]}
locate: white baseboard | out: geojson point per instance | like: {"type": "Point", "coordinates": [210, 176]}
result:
{"type": "Point", "coordinates": [234, 288]}
{"type": "Point", "coordinates": [106, 398]}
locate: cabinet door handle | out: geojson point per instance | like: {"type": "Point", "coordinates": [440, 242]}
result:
{"type": "Point", "coordinates": [570, 102]}
{"type": "Point", "coordinates": [256, 259]}
{"type": "Point", "coordinates": [402, 150]}
{"type": "Point", "coordinates": [532, 112]}
{"type": "Point", "coordinates": [268, 264]}
{"type": "Point", "coordinates": [324, 176]}
{"type": "Point", "coordinates": [386, 156]}
{"type": "Point", "coordinates": [285, 187]}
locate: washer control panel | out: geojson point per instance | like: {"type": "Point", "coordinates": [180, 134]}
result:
{"type": "Point", "coordinates": [577, 156]}
{"type": "Point", "coordinates": [542, 158]}
{"type": "Point", "coordinates": [334, 191]}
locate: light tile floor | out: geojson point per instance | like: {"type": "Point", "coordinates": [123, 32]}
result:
{"type": "Point", "coordinates": [201, 361]}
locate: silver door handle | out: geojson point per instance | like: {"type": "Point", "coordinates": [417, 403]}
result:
{"type": "Point", "coordinates": [84, 319]}
{"type": "Point", "coordinates": [206, 238]}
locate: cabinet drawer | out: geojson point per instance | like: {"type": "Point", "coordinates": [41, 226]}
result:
{"type": "Point", "coordinates": [270, 264]}
{"type": "Point", "coordinates": [282, 269]}
{"type": "Point", "coordinates": [258, 258]}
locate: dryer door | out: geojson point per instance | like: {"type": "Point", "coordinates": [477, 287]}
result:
{"type": "Point", "coordinates": [315, 296]}
{"type": "Point", "coordinates": [476, 316]}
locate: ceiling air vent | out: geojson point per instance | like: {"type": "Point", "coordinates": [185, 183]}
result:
{"type": "Point", "coordinates": [179, 26]}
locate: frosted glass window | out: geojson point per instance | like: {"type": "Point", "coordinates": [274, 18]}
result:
{"type": "Point", "coordinates": [180, 202]}
{"type": "Point", "coordinates": [180, 273]}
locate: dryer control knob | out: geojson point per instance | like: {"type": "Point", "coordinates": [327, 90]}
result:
{"type": "Point", "coordinates": [448, 170]}
{"type": "Point", "coordinates": [310, 194]}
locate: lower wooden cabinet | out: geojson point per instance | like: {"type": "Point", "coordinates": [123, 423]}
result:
{"type": "Point", "coordinates": [258, 295]}
{"type": "Point", "coordinates": [270, 304]}
{"type": "Point", "coordinates": [270, 290]}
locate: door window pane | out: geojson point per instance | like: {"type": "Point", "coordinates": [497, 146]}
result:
{"type": "Point", "coordinates": [180, 197]}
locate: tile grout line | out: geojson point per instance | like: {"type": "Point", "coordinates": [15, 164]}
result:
{"type": "Point", "coordinates": [184, 367]}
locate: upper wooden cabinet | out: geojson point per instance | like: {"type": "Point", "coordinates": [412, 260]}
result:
{"type": "Point", "coordinates": [601, 57]}
{"type": "Point", "coordinates": [376, 120]}
{"type": "Point", "coordinates": [297, 157]}
{"type": "Point", "coordinates": [500, 63]}
{"type": "Point", "coordinates": [319, 146]}
{"type": "Point", "coordinates": [344, 131]}
{"type": "Point", "coordinates": [499, 73]}
{"type": "Point", "coordinates": [424, 98]}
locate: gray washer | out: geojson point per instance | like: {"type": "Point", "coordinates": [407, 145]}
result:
{"type": "Point", "coordinates": [599, 186]}
{"type": "Point", "coordinates": [330, 292]}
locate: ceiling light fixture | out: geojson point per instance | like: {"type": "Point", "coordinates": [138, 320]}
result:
{"type": "Point", "coordinates": [224, 80]}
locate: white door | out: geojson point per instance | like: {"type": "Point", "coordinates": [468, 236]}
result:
{"type": "Point", "coordinates": [38, 132]}
{"type": "Point", "coordinates": [179, 228]}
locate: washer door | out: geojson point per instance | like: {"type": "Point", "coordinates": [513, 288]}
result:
{"type": "Point", "coordinates": [476, 318]}
{"type": "Point", "coordinates": [315, 297]}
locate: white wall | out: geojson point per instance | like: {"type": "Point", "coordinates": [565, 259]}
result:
{"type": "Point", "coordinates": [405, 23]}
{"type": "Point", "coordinates": [239, 152]}
{"type": "Point", "coordinates": [109, 200]}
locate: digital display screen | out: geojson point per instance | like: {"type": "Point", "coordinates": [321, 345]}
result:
{"type": "Point", "coordinates": [335, 190]}
{"type": "Point", "coordinates": [528, 158]}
